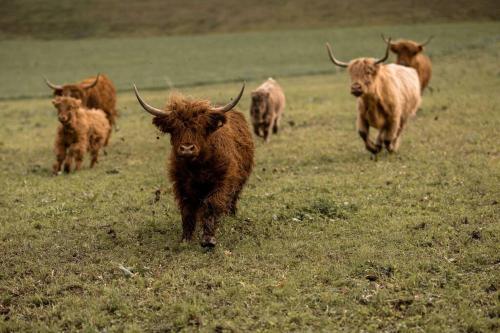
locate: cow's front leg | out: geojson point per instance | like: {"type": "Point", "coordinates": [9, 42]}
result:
{"type": "Point", "coordinates": [213, 207]}
{"type": "Point", "coordinates": [364, 131]}
{"type": "Point", "coordinates": [188, 211]}
{"type": "Point", "coordinates": [390, 134]}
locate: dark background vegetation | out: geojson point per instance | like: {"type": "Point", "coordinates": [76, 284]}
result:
{"type": "Point", "coordinates": [95, 18]}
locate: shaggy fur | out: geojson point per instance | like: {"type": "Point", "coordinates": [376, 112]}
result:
{"type": "Point", "coordinates": [101, 96]}
{"type": "Point", "coordinates": [268, 104]}
{"type": "Point", "coordinates": [209, 178]}
{"type": "Point", "coordinates": [387, 96]}
{"type": "Point", "coordinates": [410, 54]}
{"type": "Point", "coordinates": [80, 130]}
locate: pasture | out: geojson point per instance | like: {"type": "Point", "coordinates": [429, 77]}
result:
{"type": "Point", "coordinates": [325, 238]}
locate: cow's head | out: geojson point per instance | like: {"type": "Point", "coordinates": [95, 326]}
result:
{"type": "Point", "coordinates": [189, 122]}
{"type": "Point", "coordinates": [406, 50]}
{"type": "Point", "coordinates": [258, 107]}
{"type": "Point", "coordinates": [78, 91]}
{"type": "Point", "coordinates": [66, 108]}
{"type": "Point", "coordinates": [363, 71]}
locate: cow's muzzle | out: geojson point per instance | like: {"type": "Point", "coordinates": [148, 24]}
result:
{"type": "Point", "coordinates": [186, 150]}
{"type": "Point", "coordinates": [356, 89]}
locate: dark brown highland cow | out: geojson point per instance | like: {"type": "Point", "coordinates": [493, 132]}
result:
{"type": "Point", "coordinates": [210, 161]}
{"type": "Point", "coordinates": [410, 54]}
{"type": "Point", "coordinates": [268, 103]}
{"type": "Point", "coordinates": [81, 130]}
{"type": "Point", "coordinates": [95, 93]}
{"type": "Point", "coordinates": [387, 96]}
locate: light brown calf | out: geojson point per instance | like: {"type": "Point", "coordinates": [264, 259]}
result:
{"type": "Point", "coordinates": [268, 104]}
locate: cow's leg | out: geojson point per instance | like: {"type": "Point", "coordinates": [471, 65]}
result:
{"type": "Point", "coordinates": [390, 133]}
{"type": "Point", "coordinates": [276, 125]}
{"type": "Point", "coordinates": [95, 145]}
{"type": "Point", "coordinates": [256, 130]}
{"type": "Point", "coordinates": [68, 161]}
{"type": "Point", "coordinates": [396, 142]}
{"type": "Point", "coordinates": [60, 150]}
{"type": "Point", "coordinates": [78, 159]}
{"type": "Point", "coordinates": [267, 130]}
{"type": "Point", "coordinates": [213, 207]}
{"type": "Point", "coordinates": [188, 211]}
{"type": "Point", "coordinates": [233, 204]}
{"type": "Point", "coordinates": [364, 131]}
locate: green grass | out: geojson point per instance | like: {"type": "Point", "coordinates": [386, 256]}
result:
{"type": "Point", "coordinates": [325, 239]}
{"type": "Point", "coordinates": [52, 19]}
{"type": "Point", "coordinates": [160, 62]}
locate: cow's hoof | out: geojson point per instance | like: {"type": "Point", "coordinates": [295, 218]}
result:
{"type": "Point", "coordinates": [208, 242]}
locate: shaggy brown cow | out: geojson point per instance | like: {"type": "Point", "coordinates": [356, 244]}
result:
{"type": "Point", "coordinates": [410, 54]}
{"type": "Point", "coordinates": [80, 130]}
{"type": "Point", "coordinates": [210, 161]}
{"type": "Point", "coordinates": [95, 92]}
{"type": "Point", "coordinates": [387, 96]}
{"type": "Point", "coordinates": [268, 103]}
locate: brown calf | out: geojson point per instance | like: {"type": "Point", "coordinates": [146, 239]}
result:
{"type": "Point", "coordinates": [387, 96]}
{"type": "Point", "coordinates": [210, 160]}
{"type": "Point", "coordinates": [268, 103]}
{"type": "Point", "coordinates": [81, 130]}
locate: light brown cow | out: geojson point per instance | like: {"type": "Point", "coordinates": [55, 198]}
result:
{"type": "Point", "coordinates": [268, 104]}
{"type": "Point", "coordinates": [410, 54]}
{"type": "Point", "coordinates": [387, 96]}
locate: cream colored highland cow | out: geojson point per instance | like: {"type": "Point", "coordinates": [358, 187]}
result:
{"type": "Point", "coordinates": [387, 96]}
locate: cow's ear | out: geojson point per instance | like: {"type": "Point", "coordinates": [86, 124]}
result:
{"type": "Point", "coordinates": [394, 48]}
{"type": "Point", "coordinates": [215, 121]}
{"type": "Point", "coordinates": [164, 124]}
{"type": "Point", "coordinates": [420, 48]}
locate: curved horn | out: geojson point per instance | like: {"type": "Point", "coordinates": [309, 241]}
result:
{"type": "Point", "coordinates": [427, 41]}
{"type": "Point", "coordinates": [386, 52]}
{"type": "Point", "coordinates": [231, 104]}
{"type": "Point", "coordinates": [332, 58]}
{"type": "Point", "coordinates": [154, 111]}
{"type": "Point", "coordinates": [51, 85]}
{"type": "Point", "coordinates": [386, 40]}
{"type": "Point", "coordinates": [87, 86]}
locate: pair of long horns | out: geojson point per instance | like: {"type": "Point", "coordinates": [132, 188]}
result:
{"type": "Point", "coordinates": [388, 41]}
{"type": "Point", "coordinates": [84, 86]}
{"type": "Point", "coordinates": [345, 64]}
{"type": "Point", "coordinates": [159, 112]}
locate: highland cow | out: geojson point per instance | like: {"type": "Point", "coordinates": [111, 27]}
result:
{"type": "Point", "coordinates": [210, 160]}
{"type": "Point", "coordinates": [268, 103]}
{"type": "Point", "coordinates": [410, 54]}
{"type": "Point", "coordinates": [81, 130]}
{"type": "Point", "coordinates": [95, 93]}
{"type": "Point", "coordinates": [387, 95]}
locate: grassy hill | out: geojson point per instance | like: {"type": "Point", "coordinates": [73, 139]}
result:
{"type": "Point", "coordinates": [325, 240]}
{"type": "Point", "coordinates": [94, 18]}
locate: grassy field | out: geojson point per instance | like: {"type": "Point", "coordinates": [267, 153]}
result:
{"type": "Point", "coordinates": [160, 62]}
{"type": "Point", "coordinates": [325, 239]}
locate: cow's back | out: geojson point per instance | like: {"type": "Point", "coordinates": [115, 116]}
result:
{"type": "Point", "coordinates": [102, 96]}
{"type": "Point", "coordinates": [406, 85]}
{"type": "Point", "coordinates": [276, 94]}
